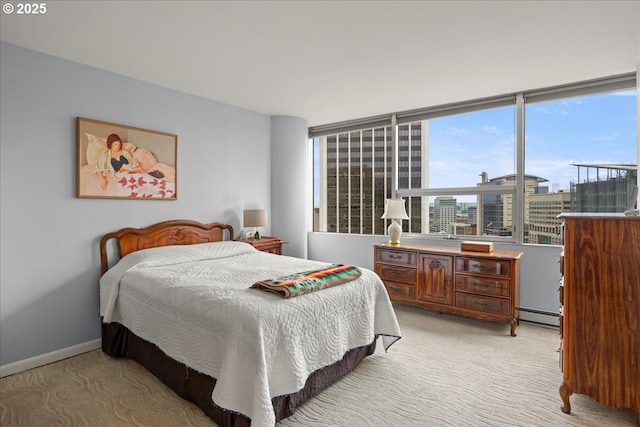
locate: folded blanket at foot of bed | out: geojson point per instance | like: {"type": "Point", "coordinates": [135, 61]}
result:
{"type": "Point", "coordinates": [309, 281]}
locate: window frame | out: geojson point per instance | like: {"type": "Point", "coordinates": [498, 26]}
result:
{"type": "Point", "coordinates": [519, 100]}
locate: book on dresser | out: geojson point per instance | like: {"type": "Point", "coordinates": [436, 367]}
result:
{"type": "Point", "coordinates": [600, 309]}
{"type": "Point", "coordinates": [481, 285]}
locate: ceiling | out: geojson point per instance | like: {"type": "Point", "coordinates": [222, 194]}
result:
{"type": "Point", "coordinates": [329, 61]}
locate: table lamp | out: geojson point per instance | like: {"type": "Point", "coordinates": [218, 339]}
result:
{"type": "Point", "coordinates": [394, 210]}
{"type": "Point", "coordinates": [255, 218]}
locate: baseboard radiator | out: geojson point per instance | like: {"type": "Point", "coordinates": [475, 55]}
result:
{"type": "Point", "coordinates": [541, 317]}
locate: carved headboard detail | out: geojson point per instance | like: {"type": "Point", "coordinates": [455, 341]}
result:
{"type": "Point", "coordinates": [172, 232]}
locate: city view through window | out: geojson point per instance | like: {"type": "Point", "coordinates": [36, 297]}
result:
{"type": "Point", "coordinates": [580, 155]}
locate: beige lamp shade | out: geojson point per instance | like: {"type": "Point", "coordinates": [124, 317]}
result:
{"type": "Point", "coordinates": [394, 209]}
{"type": "Point", "coordinates": [255, 218]}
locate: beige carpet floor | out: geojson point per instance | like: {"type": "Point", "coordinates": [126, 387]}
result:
{"type": "Point", "coordinates": [445, 371]}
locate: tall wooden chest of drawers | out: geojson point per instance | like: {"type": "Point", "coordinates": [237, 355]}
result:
{"type": "Point", "coordinates": [600, 309]}
{"type": "Point", "coordinates": [445, 279]}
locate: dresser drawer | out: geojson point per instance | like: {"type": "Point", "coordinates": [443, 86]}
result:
{"type": "Point", "coordinates": [401, 290]}
{"type": "Point", "coordinates": [561, 292]}
{"type": "Point", "coordinates": [494, 267]}
{"type": "Point", "coordinates": [483, 285]}
{"type": "Point", "coordinates": [561, 325]}
{"type": "Point", "coordinates": [396, 257]}
{"type": "Point", "coordinates": [272, 249]}
{"type": "Point", "coordinates": [483, 303]}
{"type": "Point", "coordinates": [397, 274]}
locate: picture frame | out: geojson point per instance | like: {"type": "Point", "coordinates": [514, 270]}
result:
{"type": "Point", "coordinates": [116, 161]}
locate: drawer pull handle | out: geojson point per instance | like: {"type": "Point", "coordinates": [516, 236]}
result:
{"type": "Point", "coordinates": [493, 269]}
{"type": "Point", "coordinates": [395, 256]}
{"type": "Point", "coordinates": [481, 285]}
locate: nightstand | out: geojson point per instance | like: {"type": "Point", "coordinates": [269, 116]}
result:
{"type": "Point", "coordinates": [273, 245]}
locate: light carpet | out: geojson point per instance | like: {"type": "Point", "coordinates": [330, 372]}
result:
{"type": "Point", "coordinates": [445, 371]}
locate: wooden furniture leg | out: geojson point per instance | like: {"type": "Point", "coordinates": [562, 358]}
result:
{"type": "Point", "coordinates": [565, 394]}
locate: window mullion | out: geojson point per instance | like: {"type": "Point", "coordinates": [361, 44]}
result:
{"type": "Point", "coordinates": [361, 183]}
{"type": "Point", "coordinates": [394, 156]}
{"type": "Point", "coordinates": [373, 181]}
{"type": "Point", "coordinates": [338, 183]}
{"type": "Point", "coordinates": [518, 206]}
{"type": "Point", "coordinates": [456, 191]}
{"type": "Point", "coordinates": [349, 182]}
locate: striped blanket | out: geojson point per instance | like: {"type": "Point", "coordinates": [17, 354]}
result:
{"type": "Point", "coordinates": [309, 281]}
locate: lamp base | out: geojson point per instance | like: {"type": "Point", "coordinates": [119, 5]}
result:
{"type": "Point", "coordinates": [256, 236]}
{"type": "Point", "coordinates": [395, 232]}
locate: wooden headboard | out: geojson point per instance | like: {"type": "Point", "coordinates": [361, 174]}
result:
{"type": "Point", "coordinates": [173, 232]}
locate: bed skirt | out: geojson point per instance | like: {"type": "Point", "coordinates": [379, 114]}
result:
{"type": "Point", "coordinates": [118, 341]}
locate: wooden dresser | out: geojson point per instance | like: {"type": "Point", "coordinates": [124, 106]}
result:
{"type": "Point", "coordinates": [445, 279]}
{"type": "Point", "coordinates": [600, 309]}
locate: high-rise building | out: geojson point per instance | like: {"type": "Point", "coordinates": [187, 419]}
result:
{"type": "Point", "coordinates": [355, 181]}
{"type": "Point", "coordinates": [495, 212]}
{"type": "Point", "coordinates": [603, 187]}
{"type": "Point", "coordinates": [355, 178]}
{"type": "Point", "coordinates": [472, 215]}
{"type": "Point", "coordinates": [444, 214]}
{"type": "Point", "coordinates": [544, 225]}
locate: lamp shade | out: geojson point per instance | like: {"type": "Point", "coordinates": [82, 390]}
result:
{"type": "Point", "coordinates": [394, 209]}
{"type": "Point", "coordinates": [255, 218]}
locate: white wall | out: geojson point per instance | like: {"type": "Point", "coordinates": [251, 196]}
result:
{"type": "Point", "coordinates": [290, 183]}
{"type": "Point", "coordinates": [49, 261]}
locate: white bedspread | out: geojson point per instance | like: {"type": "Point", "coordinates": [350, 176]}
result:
{"type": "Point", "coordinates": [195, 304]}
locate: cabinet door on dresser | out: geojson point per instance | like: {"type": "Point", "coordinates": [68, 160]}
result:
{"type": "Point", "coordinates": [435, 282]}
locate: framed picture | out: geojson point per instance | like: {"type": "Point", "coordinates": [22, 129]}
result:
{"type": "Point", "coordinates": [123, 162]}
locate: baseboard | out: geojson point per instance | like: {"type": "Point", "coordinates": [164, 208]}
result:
{"type": "Point", "coordinates": [45, 359]}
{"type": "Point", "coordinates": [540, 317]}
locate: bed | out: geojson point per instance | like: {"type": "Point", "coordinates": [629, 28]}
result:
{"type": "Point", "coordinates": [176, 297]}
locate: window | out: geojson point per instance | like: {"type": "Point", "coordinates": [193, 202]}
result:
{"type": "Point", "coordinates": [582, 149]}
{"type": "Point", "coordinates": [468, 169]}
{"type": "Point", "coordinates": [352, 180]}
{"type": "Point", "coordinates": [459, 179]}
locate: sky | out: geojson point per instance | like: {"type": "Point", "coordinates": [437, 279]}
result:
{"type": "Point", "coordinates": [590, 129]}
